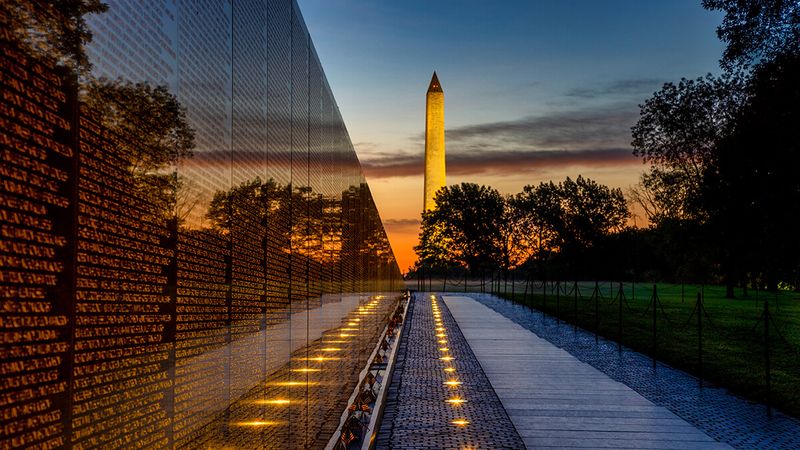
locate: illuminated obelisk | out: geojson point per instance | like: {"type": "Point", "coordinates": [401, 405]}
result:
{"type": "Point", "coordinates": [434, 142]}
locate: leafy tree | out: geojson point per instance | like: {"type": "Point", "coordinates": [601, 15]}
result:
{"type": "Point", "coordinates": [572, 214]}
{"type": "Point", "coordinates": [677, 134]}
{"type": "Point", "coordinates": [753, 189]}
{"type": "Point", "coordinates": [757, 30]}
{"type": "Point", "coordinates": [464, 228]}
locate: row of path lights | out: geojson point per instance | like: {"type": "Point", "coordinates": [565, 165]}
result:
{"type": "Point", "coordinates": [452, 380]}
{"type": "Point", "coordinates": [341, 336]}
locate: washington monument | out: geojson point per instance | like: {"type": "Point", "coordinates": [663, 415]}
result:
{"type": "Point", "coordinates": [434, 142]}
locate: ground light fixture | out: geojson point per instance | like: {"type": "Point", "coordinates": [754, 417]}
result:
{"type": "Point", "coordinates": [294, 383]}
{"type": "Point", "coordinates": [451, 382]}
{"type": "Point", "coordinates": [256, 423]}
{"type": "Point", "coordinates": [274, 401]}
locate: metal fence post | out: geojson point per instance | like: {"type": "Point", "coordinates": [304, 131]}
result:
{"type": "Point", "coordinates": [767, 371]}
{"type": "Point", "coordinates": [596, 311]}
{"type": "Point", "coordinates": [655, 329]}
{"type": "Point", "coordinates": [558, 302]}
{"type": "Point", "coordinates": [544, 294]}
{"type": "Point", "coordinates": [700, 336]}
{"type": "Point", "coordinates": [575, 309]}
{"type": "Point", "coordinates": [621, 298]}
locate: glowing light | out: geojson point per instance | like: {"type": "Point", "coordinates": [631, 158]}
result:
{"type": "Point", "coordinates": [330, 349]}
{"type": "Point", "coordinates": [348, 329]}
{"type": "Point", "coordinates": [460, 422]}
{"type": "Point", "coordinates": [449, 369]}
{"type": "Point", "coordinates": [452, 383]}
{"type": "Point", "coordinates": [441, 335]}
{"type": "Point", "coordinates": [320, 358]}
{"type": "Point", "coordinates": [455, 401]}
{"type": "Point", "coordinates": [344, 335]}
{"type": "Point", "coordinates": [444, 349]}
{"type": "Point", "coordinates": [443, 341]}
{"type": "Point", "coordinates": [352, 324]}
{"type": "Point", "coordinates": [306, 369]}
{"type": "Point", "coordinates": [294, 383]}
{"type": "Point", "coordinates": [277, 401]}
{"type": "Point", "coordinates": [439, 328]}
{"type": "Point", "coordinates": [256, 423]}
{"type": "Point", "coordinates": [447, 358]}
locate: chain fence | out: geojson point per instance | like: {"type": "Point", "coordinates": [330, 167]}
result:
{"type": "Point", "coordinates": [756, 336]}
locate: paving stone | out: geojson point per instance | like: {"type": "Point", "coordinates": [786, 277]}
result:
{"type": "Point", "coordinates": [417, 415]}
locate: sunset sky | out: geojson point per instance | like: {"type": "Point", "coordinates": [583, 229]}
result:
{"type": "Point", "coordinates": [534, 90]}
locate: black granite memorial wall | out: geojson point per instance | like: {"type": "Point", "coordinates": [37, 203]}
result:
{"type": "Point", "coordinates": [189, 253]}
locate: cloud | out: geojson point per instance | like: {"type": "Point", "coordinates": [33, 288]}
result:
{"type": "Point", "coordinates": [568, 130]}
{"type": "Point", "coordinates": [499, 162]}
{"type": "Point", "coordinates": [593, 137]}
{"type": "Point", "coordinates": [401, 224]}
{"type": "Point", "coordinates": [630, 87]}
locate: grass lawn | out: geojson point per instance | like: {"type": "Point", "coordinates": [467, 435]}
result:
{"type": "Point", "coordinates": [733, 331]}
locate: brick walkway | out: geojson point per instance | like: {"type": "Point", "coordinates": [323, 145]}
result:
{"type": "Point", "coordinates": [418, 414]}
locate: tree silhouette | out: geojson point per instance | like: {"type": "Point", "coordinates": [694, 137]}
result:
{"type": "Point", "coordinates": [757, 30]}
{"type": "Point", "coordinates": [678, 133]}
{"type": "Point", "coordinates": [753, 191]}
{"type": "Point", "coordinates": [572, 215]}
{"type": "Point", "coordinates": [464, 228]}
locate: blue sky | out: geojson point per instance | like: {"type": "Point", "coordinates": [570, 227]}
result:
{"type": "Point", "coordinates": [534, 90]}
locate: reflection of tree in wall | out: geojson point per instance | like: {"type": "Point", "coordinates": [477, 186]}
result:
{"type": "Point", "coordinates": [53, 29]}
{"type": "Point", "coordinates": [148, 123]}
{"type": "Point", "coordinates": [315, 216]}
{"type": "Point", "coordinates": [325, 230]}
{"type": "Point", "coordinates": [151, 133]}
